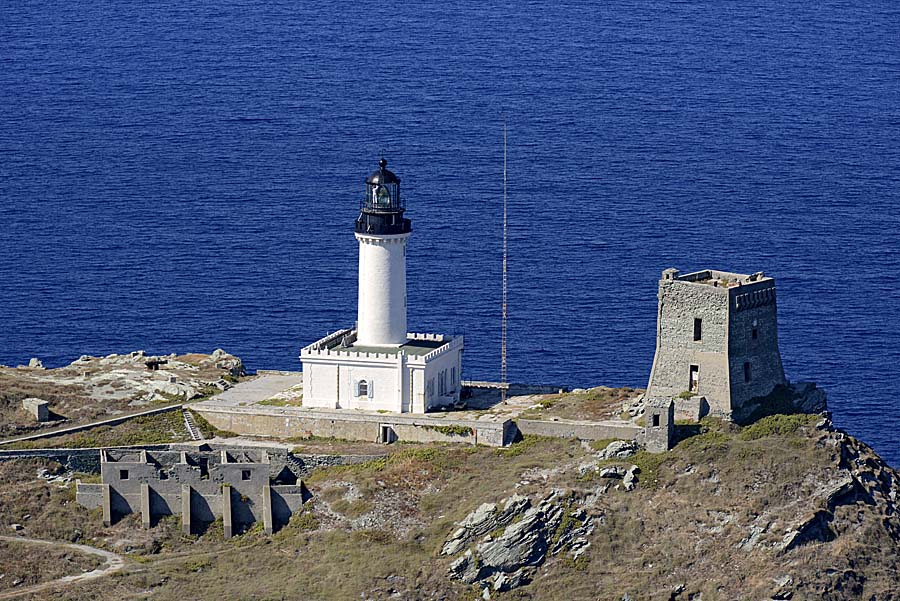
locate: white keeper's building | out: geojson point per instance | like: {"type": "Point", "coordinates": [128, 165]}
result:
{"type": "Point", "coordinates": [379, 366]}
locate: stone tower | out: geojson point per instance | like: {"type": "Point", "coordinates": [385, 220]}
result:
{"type": "Point", "coordinates": [382, 232]}
{"type": "Point", "coordinates": [716, 342]}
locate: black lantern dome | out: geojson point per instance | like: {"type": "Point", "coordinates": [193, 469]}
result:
{"type": "Point", "coordinates": [381, 213]}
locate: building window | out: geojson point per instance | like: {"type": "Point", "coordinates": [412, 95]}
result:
{"type": "Point", "coordinates": [362, 388]}
{"type": "Point", "coordinates": [656, 421]}
{"type": "Point", "coordinates": [755, 334]}
{"type": "Point", "coordinates": [123, 474]}
{"type": "Point", "coordinates": [746, 371]}
{"type": "Point", "coordinates": [694, 384]}
{"type": "Point", "coordinates": [245, 474]}
{"type": "Point", "coordinates": [698, 329]}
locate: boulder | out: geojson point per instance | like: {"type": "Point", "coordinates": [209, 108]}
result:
{"type": "Point", "coordinates": [630, 478]}
{"type": "Point", "coordinates": [506, 582]}
{"type": "Point", "coordinates": [612, 472]}
{"type": "Point", "coordinates": [618, 449]}
{"type": "Point", "coordinates": [465, 568]}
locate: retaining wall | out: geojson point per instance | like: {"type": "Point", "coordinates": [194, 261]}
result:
{"type": "Point", "coordinates": [579, 430]}
{"type": "Point", "coordinates": [287, 423]}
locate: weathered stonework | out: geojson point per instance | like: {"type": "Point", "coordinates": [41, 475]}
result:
{"type": "Point", "coordinates": [237, 486]}
{"type": "Point", "coordinates": [292, 422]}
{"type": "Point", "coordinates": [717, 340]}
{"type": "Point", "coordinates": [659, 432]}
{"type": "Point", "coordinates": [38, 408]}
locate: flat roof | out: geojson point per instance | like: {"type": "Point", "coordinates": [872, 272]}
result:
{"type": "Point", "coordinates": [723, 279]}
{"type": "Point", "coordinates": [415, 348]}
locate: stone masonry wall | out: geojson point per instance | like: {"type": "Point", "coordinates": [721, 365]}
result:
{"type": "Point", "coordinates": [754, 307]}
{"type": "Point", "coordinates": [356, 426]}
{"type": "Point", "coordinates": [679, 304]}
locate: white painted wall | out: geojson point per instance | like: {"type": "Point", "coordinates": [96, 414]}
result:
{"type": "Point", "coordinates": [381, 317]}
{"type": "Point", "coordinates": [449, 364]}
{"type": "Point", "coordinates": [398, 382]}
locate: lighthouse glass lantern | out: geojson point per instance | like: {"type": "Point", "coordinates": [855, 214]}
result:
{"type": "Point", "coordinates": [381, 212]}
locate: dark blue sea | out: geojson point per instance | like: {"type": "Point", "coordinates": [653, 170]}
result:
{"type": "Point", "coordinates": [181, 176]}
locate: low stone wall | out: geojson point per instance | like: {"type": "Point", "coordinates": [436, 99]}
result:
{"type": "Point", "coordinates": [77, 460]}
{"type": "Point", "coordinates": [578, 429]}
{"type": "Point", "coordinates": [287, 423]}
{"type": "Point", "coordinates": [110, 421]}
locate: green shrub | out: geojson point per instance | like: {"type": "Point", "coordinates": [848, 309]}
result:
{"type": "Point", "coordinates": [777, 425]}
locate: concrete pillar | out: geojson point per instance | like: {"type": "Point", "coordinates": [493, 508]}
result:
{"type": "Point", "coordinates": [107, 505]}
{"type": "Point", "coordinates": [145, 506]}
{"type": "Point", "coordinates": [185, 508]}
{"type": "Point", "coordinates": [226, 509]}
{"type": "Point", "coordinates": [267, 509]}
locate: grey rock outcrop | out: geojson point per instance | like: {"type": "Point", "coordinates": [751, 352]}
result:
{"type": "Point", "coordinates": [618, 449]}
{"type": "Point", "coordinates": [483, 520]}
{"type": "Point", "coordinates": [808, 398]}
{"type": "Point", "coordinates": [613, 471]}
{"type": "Point", "coordinates": [629, 481]}
{"type": "Point", "coordinates": [530, 533]}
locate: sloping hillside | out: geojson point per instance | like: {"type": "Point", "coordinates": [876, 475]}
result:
{"type": "Point", "coordinates": [785, 508]}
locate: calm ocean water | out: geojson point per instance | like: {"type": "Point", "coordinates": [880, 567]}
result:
{"type": "Point", "coordinates": [184, 176]}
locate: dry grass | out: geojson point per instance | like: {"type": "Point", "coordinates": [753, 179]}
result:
{"type": "Point", "coordinates": [24, 564]}
{"type": "Point", "coordinates": [599, 403]}
{"type": "Point", "coordinates": [683, 525]}
{"type": "Point", "coordinates": [150, 429]}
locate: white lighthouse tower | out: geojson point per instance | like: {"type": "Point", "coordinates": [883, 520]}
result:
{"type": "Point", "coordinates": [382, 232]}
{"type": "Point", "coordinates": [378, 365]}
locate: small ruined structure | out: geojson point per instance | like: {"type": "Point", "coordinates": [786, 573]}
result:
{"type": "Point", "coordinates": [716, 342]}
{"type": "Point", "coordinates": [378, 365]}
{"type": "Point", "coordinates": [39, 409]}
{"type": "Point", "coordinates": [240, 486]}
{"type": "Point", "coordinates": [659, 431]}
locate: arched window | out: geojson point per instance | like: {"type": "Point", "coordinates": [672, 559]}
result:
{"type": "Point", "coordinates": [362, 388]}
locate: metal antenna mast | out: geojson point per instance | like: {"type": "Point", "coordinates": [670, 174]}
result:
{"type": "Point", "coordinates": [503, 383]}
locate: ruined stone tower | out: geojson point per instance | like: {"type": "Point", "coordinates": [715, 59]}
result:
{"type": "Point", "coordinates": [716, 342]}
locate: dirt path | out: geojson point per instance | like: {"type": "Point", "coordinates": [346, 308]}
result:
{"type": "Point", "coordinates": [113, 564]}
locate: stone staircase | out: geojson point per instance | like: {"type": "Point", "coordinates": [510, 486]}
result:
{"type": "Point", "coordinates": [191, 425]}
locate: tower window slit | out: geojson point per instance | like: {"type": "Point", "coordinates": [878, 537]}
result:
{"type": "Point", "coordinates": [698, 329]}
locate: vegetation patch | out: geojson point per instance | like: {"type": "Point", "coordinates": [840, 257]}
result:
{"type": "Point", "coordinates": [208, 430]}
{"type": "Point", "coordinates": [454, 430]}
{"type": "Point", "coordinates": [281, 402]}
{"type": "Point", "coordinates": [352, 509]}
{"type": "Point", "coordinates": [161, 428]}
{"type": "Point", "coordinates": [594, 404]}
{"type": "Point", "coordinates": [522, 446]}
{"type": "Point", "coordinates": [778, 425]}
{"type": "Point", "coordinates": [600, 445]}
